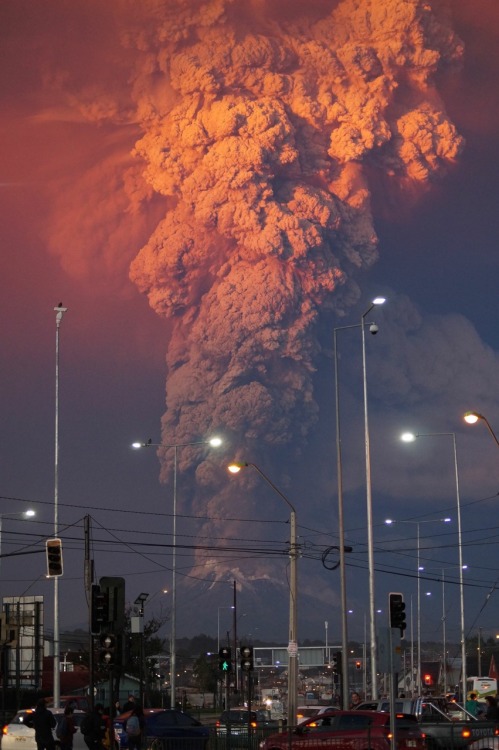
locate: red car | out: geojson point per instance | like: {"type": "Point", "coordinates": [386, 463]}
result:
{"type": "Point", "coordinates": [349, 730]}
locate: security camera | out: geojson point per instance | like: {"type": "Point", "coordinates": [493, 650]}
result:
{"type": "Point", "coordinates": [373, 328]}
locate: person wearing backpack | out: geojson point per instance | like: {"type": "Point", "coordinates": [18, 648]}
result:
{"type": "Point", "coordinates": [66, 729]}
{"type": "Point", "coordinates": [134, 728]}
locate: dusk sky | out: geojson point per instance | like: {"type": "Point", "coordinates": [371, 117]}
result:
{"type": "Point", "coordinates": [211, 187]}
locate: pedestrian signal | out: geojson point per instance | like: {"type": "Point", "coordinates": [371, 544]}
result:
{"type": "Point", "coordinates": [224, 659]}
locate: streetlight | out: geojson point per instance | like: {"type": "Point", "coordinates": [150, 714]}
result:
{"type": "Point", "coordinates": [59, 311]}
{"type": "Point", "coordinates": [370, 535]}
{"type": "Point", "coordinates": [218, 625]}
{"type": "Point", "coordinates": [24, 513]}
{"type": "Point", "coordinates": [390, 521]}
{"type": "Point", "coordinates": [472, 417]}
{"type": "Point", "coordinates": [215, 442]}
{"type": "Point", "coordinates": [234, 468]}
{"type": "Point", "coordinates": [341, 523]}
{"type": "Point", "coordinates": [410, 437]}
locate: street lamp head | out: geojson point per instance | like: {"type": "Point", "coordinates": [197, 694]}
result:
{"type": "Point", "coordinates": [29, 513]}
{"type": "Point", "coordinates": [236, 466]}
{"type": "Point", "coordinates": [408, 437]}
{"type": "Point", "coordinates": [472, 417]}
{"type": "Point", "coordinates": [379, 300]}
{"type": "Point", "coordinates": [389, 520]}
{"type": "Point", "coordinates": [215, 442]}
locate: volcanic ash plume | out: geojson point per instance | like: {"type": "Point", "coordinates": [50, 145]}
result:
{"type": "Point", "coordinates": [261, 126]}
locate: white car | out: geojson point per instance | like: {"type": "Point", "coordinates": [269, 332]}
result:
{"type": "Point", "coordinates": [19, 734]}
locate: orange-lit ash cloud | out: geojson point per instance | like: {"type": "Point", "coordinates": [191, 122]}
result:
{"type": "Point", "coordinates": [265, 128]}
{"type": "Point", "coordinates": [259, 125]}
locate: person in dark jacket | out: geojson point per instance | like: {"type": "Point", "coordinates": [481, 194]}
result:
{"type": "Point", "coordinates": [94, 727]}
{"type": "Point", "coordinates": [44, 722]}
{"type": "Point", "coordinates": [67, 728]}
{"type": "Point", "coordinates": [492, 712]}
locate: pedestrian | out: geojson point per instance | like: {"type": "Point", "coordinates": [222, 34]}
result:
{"type": "Point", "coordinates": [492, 712]}
{"type": "Point", "coordinates": [117, 708]}
{"type": "Point", "coordinates": [135, 728]}
{"type": "Point", "coordinates": [66, 728]}
{"type": "Point", "coordinates": [44, 722]}
{"type": "Point", "coordinates": [354, 700]}
{"type": "Point", "coordinates": [129, 704]}
{"type": "Point", "coordinates": [471, 705]}
{"type": "Point", "coordinates": [94, 727]}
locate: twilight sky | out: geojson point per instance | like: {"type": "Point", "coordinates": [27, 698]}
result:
{"type": "Point", "coordinates": [211, 187]}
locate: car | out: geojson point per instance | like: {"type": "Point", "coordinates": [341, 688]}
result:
{"type": "Point", "coordinates": [306, 712]}
{"type": "Point", "coordinates": [182, 730]}
{"type": "Point", "coordinates": [489, 743]}
{"type": "Point", "coordinates": [20, 734]}
{"type": "Point", "coordinates": [234, 722]}
{"type": "Point", "coordinates": [342, 730]}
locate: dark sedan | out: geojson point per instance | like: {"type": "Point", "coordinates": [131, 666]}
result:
{"type": "Point", "coordinates": [174, 730]}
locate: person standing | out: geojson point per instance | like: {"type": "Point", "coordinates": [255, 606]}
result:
{"type": "Point", "coordinates": [471, 705]}
{"type": "Point", "coordinates": [135, 728]}
{"type": "Point", "coordinates": [492, 712]}
{"type": "Point", "coordinates": [93, 728]}
{"type": "Point", "coordinates": [129, 704]}
{"type": "Point", "coordinates": [44, 722]}
{"type": "Point", "coordinates": [355, 700]}
{"type": "Point", "coordinates": [66, 729]}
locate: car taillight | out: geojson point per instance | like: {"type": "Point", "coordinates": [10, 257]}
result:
{"type": "Point", "coordinates": [423, 735]}
{"type": "Point", "coordinates": [466, 733]}
{"type": "Point", "coordinates": [253, 724]}
{"type": "Point", "coordinates": [496, 732]}
{"type": "Point", "coordinates": [4, 730]}
{"type": "Point", "coordinates": [389, 735]}
{"type": "Point", "coordinates": [218, 724]}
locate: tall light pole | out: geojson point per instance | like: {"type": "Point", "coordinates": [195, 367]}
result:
{"type": "Point", "coordinates": [293, 591]}
{"type": "Point", "coordinates": [59, 313]}
{"type": "Point", "coordinates": [370, 536]}
{"type": "Point", "coordinates": [390, 521]}
{"type": "Point", "coordinates": [24, 513]}
{"type": "Point", "coordinates": [409, 437]}
{"type": "Point", "coordinates": [215, 442]}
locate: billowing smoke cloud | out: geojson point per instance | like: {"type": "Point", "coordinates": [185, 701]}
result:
{"type": "Point", "coordinates": [266, 127]}
{"type": "Point", "coordinates": [263, 132]}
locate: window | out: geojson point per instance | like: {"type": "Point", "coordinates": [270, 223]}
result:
{"type": "Point", "coordinates": [352, 721]}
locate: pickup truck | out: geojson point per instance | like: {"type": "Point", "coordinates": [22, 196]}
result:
{"type": "Point", "coordinates": [442, 731]}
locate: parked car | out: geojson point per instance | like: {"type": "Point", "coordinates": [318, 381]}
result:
{"type": "Point", "coordinates": [234, 722]}
{"type": "Point", "coordinates": [19, 734]}
{"type": "Point", "coordinates": [184, 731]}
{"type": "Point", "coordinates": [307, 712]}
{"type": "Point", "coordinates": [342, 730]}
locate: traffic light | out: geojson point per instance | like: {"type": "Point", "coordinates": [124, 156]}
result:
{"type": "Point", "coordinates": [428, 679]}
{"type": "Point", "coordinates": [54, 557]}
{"type": "Point", "coordinates": [337, 663]}
{"type": "Point", "coordinates": [246, 658]}
{"type": "Point", "coordinates": [99, 614]}
{"type": "Point", "coordinates": [107, 653]}
{"type": "Point", "coordinates": [397, 612]}
{"type": "Point", "coordinates": [224, 659]}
